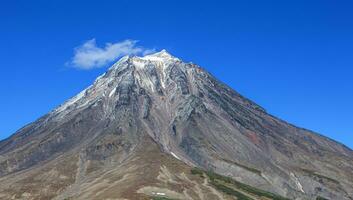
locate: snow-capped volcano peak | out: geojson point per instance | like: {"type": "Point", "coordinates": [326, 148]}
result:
{"type": "Point", "coordinates": [163, 53]}
{"type": "Point", "coordinates": [151, 72]}
{"type": "Point", "coordinates": [161, 56]}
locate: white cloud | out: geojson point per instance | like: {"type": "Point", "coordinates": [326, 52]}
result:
{"type": "Point", "coordinates": [89, 55]}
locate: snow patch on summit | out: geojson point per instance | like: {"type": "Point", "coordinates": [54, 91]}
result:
{"type": "Point", "coordinates": [162, 56]}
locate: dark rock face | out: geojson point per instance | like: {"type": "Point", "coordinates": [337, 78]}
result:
{"type": "Point", "coordinates": [178, 76]}
{"type": "Point", "coordinates": [190, 115]}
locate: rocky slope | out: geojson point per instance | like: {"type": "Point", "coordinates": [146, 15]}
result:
{"type": "Point", "coordinates": [142, 126]}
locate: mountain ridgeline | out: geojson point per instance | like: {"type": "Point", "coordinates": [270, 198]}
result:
{"type": "Point", "coordinates": [143, 129]}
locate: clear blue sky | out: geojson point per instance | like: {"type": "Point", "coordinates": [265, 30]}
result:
{"type": "Point", "coordinates": [295, 58]}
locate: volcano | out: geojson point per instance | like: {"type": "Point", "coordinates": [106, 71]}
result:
{"type": "Point", "coordinates": [155, 127]}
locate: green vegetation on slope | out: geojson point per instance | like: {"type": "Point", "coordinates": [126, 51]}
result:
{"type": "Point", "coordinates": [314, 174]}
{"type": "Point", "coordinates": [161, 198]}
{"type": "Point", "coordinates": [230, 191]}
{"type": "Point", "coordinates": [197, 171]}
{"type": "Point", "coordinates": [256, 171]}
{"type": "Point", "coordinates": [321, 198]}
{"type": "Point", "coordinates": [226, 185]}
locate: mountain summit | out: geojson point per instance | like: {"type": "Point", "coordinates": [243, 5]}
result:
{"type": "Point", "coordinates": [157, 127]}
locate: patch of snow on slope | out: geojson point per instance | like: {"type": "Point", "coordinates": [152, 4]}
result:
{"type": "Point", "coordinates": [300, 187]}
{"type": "Point", "coordinates": [117, 64]}
{"type": "Point", "coordinates": [71, 101]}
{"type": "Point", "coordinates": [159, 193]}
{"type": "Point", "coordinates": [139, 63]}
{"type": "Point", "coordinates": [112, 92]}
{"type": "Point", "coordinates": [173, 154]}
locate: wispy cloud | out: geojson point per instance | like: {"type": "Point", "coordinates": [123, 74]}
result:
{"type": "Point", "coordinates": [89, 55]}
